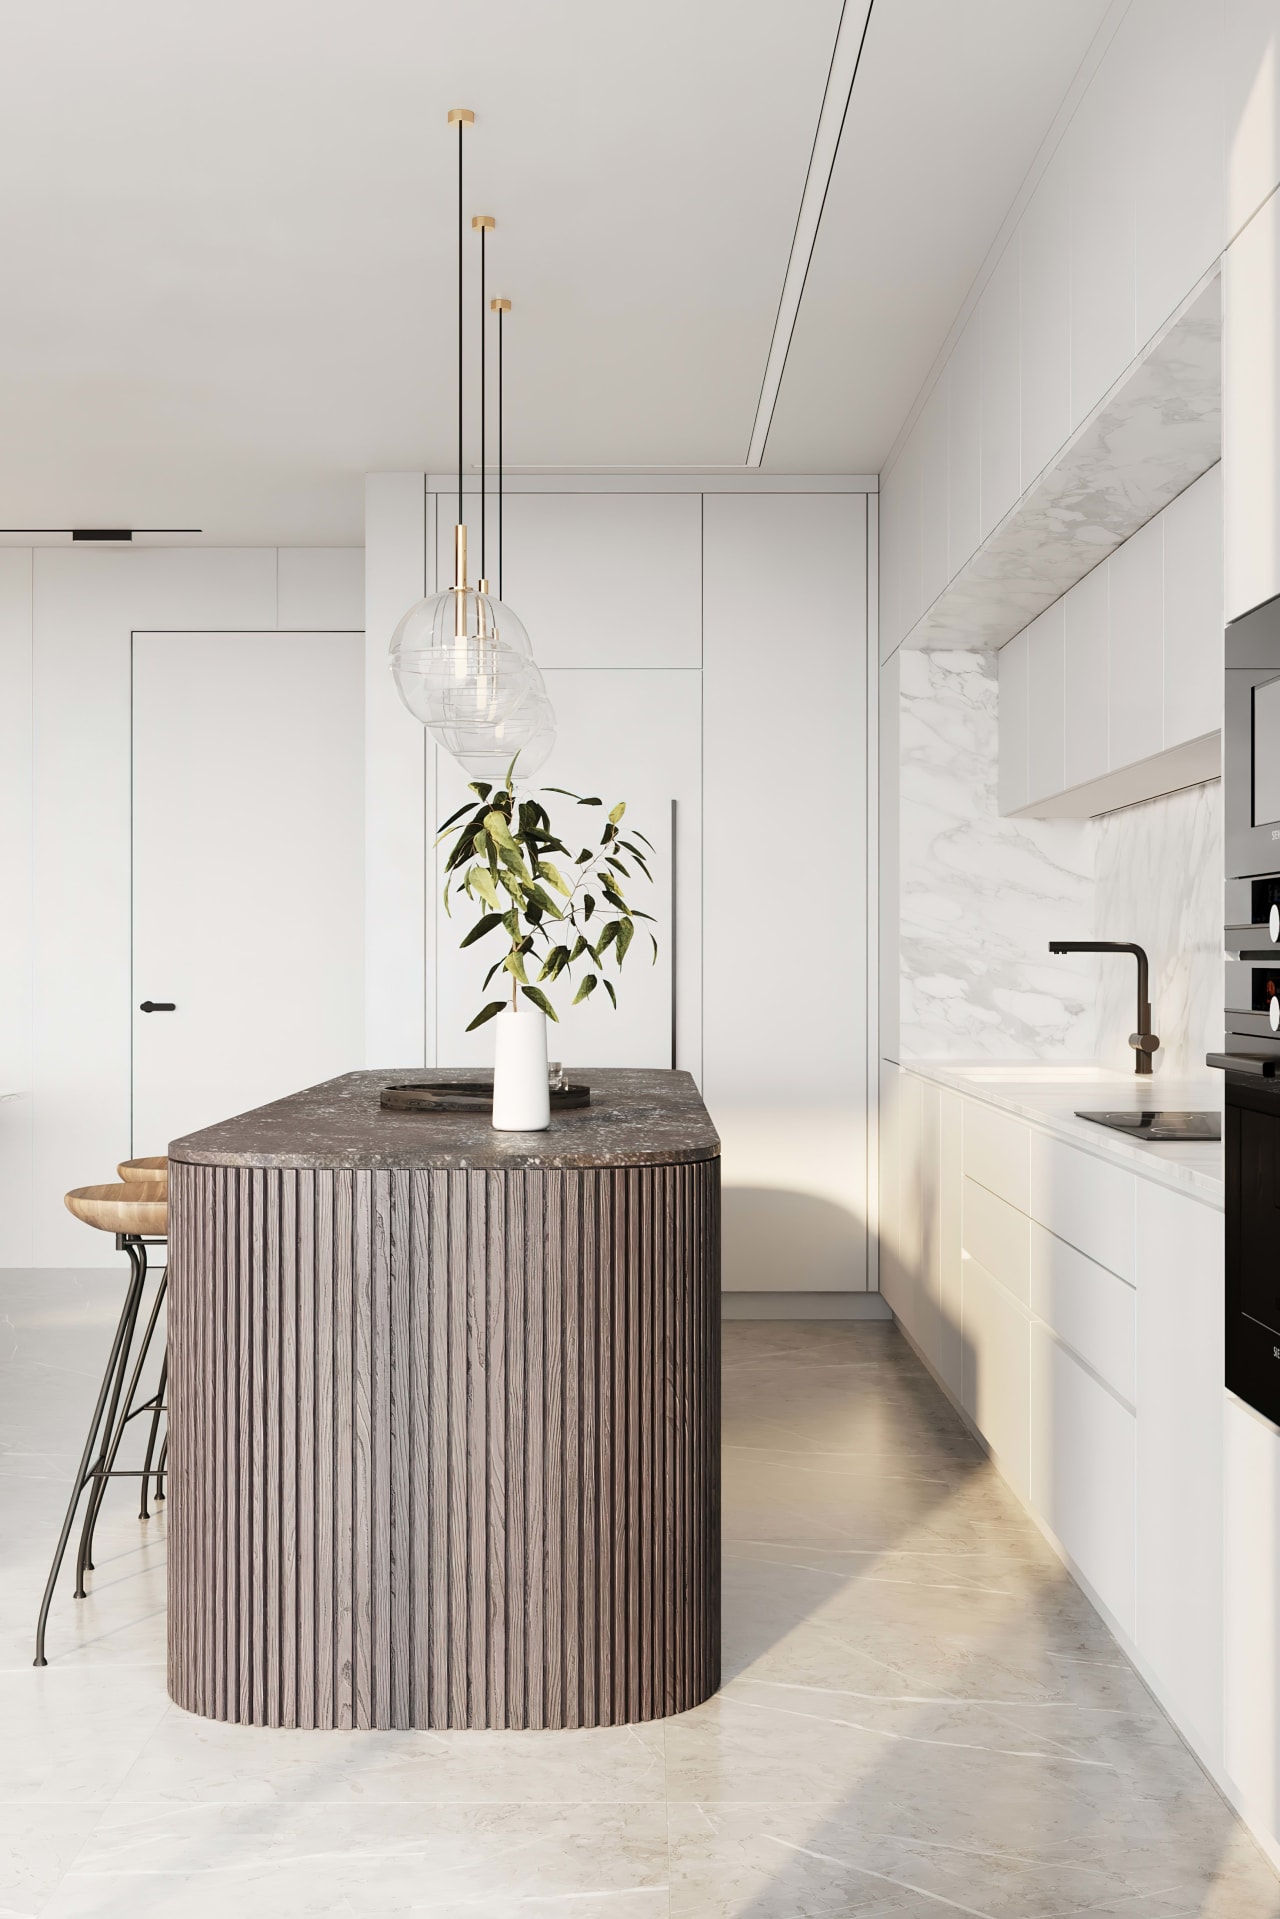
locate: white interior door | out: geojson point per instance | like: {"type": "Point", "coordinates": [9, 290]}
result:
{"type": "Point", "coordinates": [248, 835]}
{"type": "Point", "coordinates": [622, 735]}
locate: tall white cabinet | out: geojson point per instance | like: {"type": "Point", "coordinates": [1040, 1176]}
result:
{"type": "Point", "coordinates": [708, 646]}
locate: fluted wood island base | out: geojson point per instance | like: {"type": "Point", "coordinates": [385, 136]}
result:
{"type": "Point", "coordinates": [444, 1412]}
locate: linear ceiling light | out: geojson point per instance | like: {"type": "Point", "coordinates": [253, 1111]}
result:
{"type": "Point", "coordinates": [851, 37]}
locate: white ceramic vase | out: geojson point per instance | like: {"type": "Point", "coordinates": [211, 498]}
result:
{"type": "Point", "coordinates": [521, 1097]}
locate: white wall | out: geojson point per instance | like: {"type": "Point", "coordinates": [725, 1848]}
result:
{"type": "Point", "coordinates": [618, 576]}
{"type": "Point", "coordinates": [66, 617]}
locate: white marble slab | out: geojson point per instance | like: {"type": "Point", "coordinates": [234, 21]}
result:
{"type": "Point", "coordinates": [1157, 430]}
{"type": "Point", "coordinates": [982, 896]}
{"type": "Point", "coordinates": [1048, 1097]}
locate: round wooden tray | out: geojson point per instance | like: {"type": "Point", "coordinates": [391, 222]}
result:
{"type": "Point", "coordinates": [465, 1096]}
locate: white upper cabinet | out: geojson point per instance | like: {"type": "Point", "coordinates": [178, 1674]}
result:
{"type": "Point", "coordinates": [1124, 673]}
{"type": "Point", "coordinates": [964, 446]}
{"type": "Point", "coordinates": [1046, 688]}
{"type": "Point", "coordinates": [1045, 324]}
{"type": "Point", "coordinates": [1012, 668]}
{"type": "Point", "coordinates": [1180, 223]}
{"type": "Point", "coordinates": [934, 489]}
{"type": "Point", "coordinates": [564, 557]}
{"type": "Point", "coordinates": [1251, 106]}
{"type": "Point", "coordinates": [1086, 613]}
{"type": "Point", "coordinates": [1136, 675]}
{"type": "Point", "coordinates": [1251, 412]}
{"type": "Point", "coordinates": [1097, 157]}
{"type": "Point", "coordinates": [1193, 618]}
{"type": "Point", "coordinates": [999, 323]}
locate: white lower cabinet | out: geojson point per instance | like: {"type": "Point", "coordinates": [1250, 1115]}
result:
{"type": "Point", "coordinates": [995, 1370]}
{"type": "Point", "coordinates": [1180, 1458]}
{"type": "Point", "coordinates": [1083, 1450]}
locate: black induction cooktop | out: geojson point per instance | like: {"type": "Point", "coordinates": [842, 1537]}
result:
{"type": "Point", "coordinates": [1161, 1125]}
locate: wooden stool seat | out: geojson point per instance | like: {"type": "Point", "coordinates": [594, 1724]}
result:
{"type": "Point", "coordinates": [132, 1207]}
{"type": "Point", "coordinates": [144, 1171]}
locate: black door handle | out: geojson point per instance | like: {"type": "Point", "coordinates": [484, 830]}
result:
{"type": "Point", "coordinates": [157, 1006]}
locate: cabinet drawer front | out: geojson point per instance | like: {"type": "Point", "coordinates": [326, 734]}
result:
{"type": "Point", "coordinates": [996, 1371]}
{"type": "Point", "coordinates": [996, 1152]}
{"type": "Point", "coordinates": [1089, 1309]}
{"type": "Point", "coordinates": [997, 1235]}
{"type": "Point", "coordinates": [1083, 1447]}
{"type": "Point", "coordinates": [1084, 1201]}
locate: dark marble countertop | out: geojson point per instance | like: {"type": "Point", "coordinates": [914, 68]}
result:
{"type": "Point", "coordinates": [637, 1117]}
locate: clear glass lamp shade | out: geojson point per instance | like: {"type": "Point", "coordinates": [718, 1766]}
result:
{"type": "Point", "coordinates": [433, 623]}
{"type": "Point", "coordinates": [487, 752]}
{"type": "Point", "coordinates": [468, 684]}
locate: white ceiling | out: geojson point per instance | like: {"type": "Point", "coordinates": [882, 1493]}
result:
{"type": "Point", "coordinates": [226, 236]}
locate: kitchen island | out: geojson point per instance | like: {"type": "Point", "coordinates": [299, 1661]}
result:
{"type": "Point", "coordinates": [444, 1411]}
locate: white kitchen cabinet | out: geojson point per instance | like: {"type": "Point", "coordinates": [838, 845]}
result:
{"type": "Point", "coordinates": [1083, 1448]}
{"type": "Point", "coordinates": [564, 555]}
{"type": "Point", "coordinates": [1180, 222]}
{"type": "Point", "coordinates": [934, 490]}
{"type": "Point", "coordinates": [964, 445]}
{"type": "Point", "coordinates": [910, 538]}
{"type": "Point", "coordinates": [1046, 703]}
{"type": "Point", "coordinates": [1011, 668]}
{"type": "Point", "coordinates": [1251, 1608]}
{"type": "Point", "coordinates": [1045, 329]}
{"type": "Point", "coordinates": [1086, 611]}
{"type": "Point", "coordinates": [997, 1152]}
{"type": "Point", "coordinates": [910, 1200]}
{"type": "Point", "coordinates": [1180, 1458]}
{"type": "Point", "coordinates": [892, 1285]}
{"type": "Point", "coordinates": [1251, 106]}
{"type": "Point", "coordinates": [999, 330]}
{"type": "Point", "coordinates": [1096, 156]}
{"type": "Point", "coordinates": [995, 1372]}
{"type": "Point", "coordinates": [1091, 1311]}
{"type": "Point", "coordinates": [789, 1113]}
{"type": "Point", "coordinates": [1251, 412]}
{"type": "Point", "coordinates": [1193, 623]}
{"type": "Point", "coordinates": [998, 1236]}
{"type": "Point", "coordinates": [950, 1239]}
{"type": "Point", "coordinates": [1085, 1200]}
{"type": "Point", "coordinates": [1135, 677]}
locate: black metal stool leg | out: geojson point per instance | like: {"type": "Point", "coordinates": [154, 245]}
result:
{"type": "Point", "coordinates": [151, 1438]}
{"type": "Point", "coordinates": [113, 1375]}
{"type": "Point", "coordinates": [160, 1466]}
{"type": "Point", "coordinates": [126, 1414]}
{"type": "Point", "coordinates": [138, 1260]}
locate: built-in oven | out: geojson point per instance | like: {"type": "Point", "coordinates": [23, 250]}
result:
{"type": "Point", "coordinates": [1251, 1012]}
{"type": "Point", "coordinates": [1251, 742]}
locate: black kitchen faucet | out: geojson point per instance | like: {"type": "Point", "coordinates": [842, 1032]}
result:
{"type": "Point", "coordinates": [1144, 1041]}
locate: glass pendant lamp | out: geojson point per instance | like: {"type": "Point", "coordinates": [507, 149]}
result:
{"type": "Point", "coordinates": [461, 659]}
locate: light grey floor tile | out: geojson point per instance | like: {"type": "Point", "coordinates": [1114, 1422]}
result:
{"type": "Point", "coordinates": [380, 1861]}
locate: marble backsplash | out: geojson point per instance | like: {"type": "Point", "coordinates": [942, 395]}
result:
{"type": "Point", "coordinates": [981, 897]}
{"type": "Point", "coordinates": [1158, 880]}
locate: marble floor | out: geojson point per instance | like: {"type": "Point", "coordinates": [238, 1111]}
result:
{"type": "Point", "coordinates": [921, 1714]}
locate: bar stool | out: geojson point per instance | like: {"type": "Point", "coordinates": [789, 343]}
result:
{"type": "Point", "coordinates": [136, 1212]}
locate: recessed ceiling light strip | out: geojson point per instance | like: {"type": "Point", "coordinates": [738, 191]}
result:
{"type": "Point", "coordinates": [851, 38]}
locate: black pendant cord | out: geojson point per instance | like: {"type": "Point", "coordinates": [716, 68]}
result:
{"type": "Point", "coordinates": [484, 411]}
{"type": "Point", "coordinates": [460, 262]}
{"type": "Point", "coordinates": [500, 452]}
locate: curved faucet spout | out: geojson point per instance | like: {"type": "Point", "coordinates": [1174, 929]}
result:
{"type": "Point", "coordinates": [1144, 1042]}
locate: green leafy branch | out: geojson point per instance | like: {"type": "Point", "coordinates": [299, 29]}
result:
{"type": "Point", "coordinates": [556, 925]}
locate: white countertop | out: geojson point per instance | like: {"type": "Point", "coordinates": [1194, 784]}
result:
{"type": "Point", "coordinates": [1048, 1094]}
